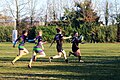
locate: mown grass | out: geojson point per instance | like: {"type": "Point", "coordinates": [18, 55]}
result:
{"type": "Point", "coordinates": [102, 62]}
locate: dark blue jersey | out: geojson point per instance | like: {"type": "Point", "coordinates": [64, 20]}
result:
{"type": "Point", "coordinates": [58, 38]}
{"type": "Point", "coordinates": [75, 41]}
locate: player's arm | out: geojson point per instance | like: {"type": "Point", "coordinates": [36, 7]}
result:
{"type": "Point", "coordinates": [31, 40]}
{"type": "Point", "coordinates": [67, 37]}
{"type": "Point", "coordinates": [16, 41]}
{"type": "Point", "coordinates": [44, 42]}
{"type": "Point", "coordinates": [80, 38]}
{"type": "Point", "coordinates": [51, 43]}
{"type": "Point", "coordinates": [42, 47]}
{"type": "Point", "coordinates": [41, 43]}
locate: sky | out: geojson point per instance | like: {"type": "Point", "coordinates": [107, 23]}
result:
{"type": "Point", "coordinates": [98, 5]}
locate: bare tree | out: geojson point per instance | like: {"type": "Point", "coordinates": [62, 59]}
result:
{"type": "Point", "coordinates": [106, 13]}
{"type": "Point", "coordinates": [16, 8]}
{"type": "Point", "coordinates": [32, 10]}
{"type": "Point", "coordinates": [35, 11]}
{"type": "Point", "coordinates": [117, 18]}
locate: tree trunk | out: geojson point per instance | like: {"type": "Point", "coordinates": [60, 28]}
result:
{"type": "Point", "coordinates": [17, 14]}
{"type": "Point", "coordinates": [118, 33]}
{"type": "Point", "coordinates": [17, 23]}
{"type": "Point", "coordinates": [31, 21]}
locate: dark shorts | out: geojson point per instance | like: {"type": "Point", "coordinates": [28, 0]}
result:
{"type": "Point", "coordinates": [74, 49]}
{"type": "Point", "coordinates": [59, 48]}
{"type": "Point", "coordinates": [21, 47]}
{"type": "Point", "coordinates": [37, 50]}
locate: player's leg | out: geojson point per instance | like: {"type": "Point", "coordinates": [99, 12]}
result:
{"type": "Point", "coordinates": [25, 51]}
{"type": "Point", "coordinates": [31, 60]}
{"type": "Point", "coordinates": [56, 56]}
{"type": "Point", "coordinates": [64, 54]}
{"type": "Point", "coordinates": [59, 50]}
{"type": "Point", "coordinates": [74, 49]}
{"type": "Point", "coordinates": [18, 56]}
{"type": "Point", "coordinates": [41, 54]}
{"type": "Point", "coordinates": [72, 53]}
{"type": "Point", "coordinates": [78, 54]}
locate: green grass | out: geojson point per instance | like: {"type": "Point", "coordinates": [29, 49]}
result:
{"type": "Point", "coordinates": [102, 62]}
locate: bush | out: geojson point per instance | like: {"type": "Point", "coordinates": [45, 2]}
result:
{"type": "Point", "coordinates": [48, 32]}
{"type": "Point", "coordinates": [5, 34]}
{"type": "Point", "coordinates": [105, 33]}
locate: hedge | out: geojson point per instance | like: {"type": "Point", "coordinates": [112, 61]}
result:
{"type": "Point", "coordinates": [5, 34]}
{"type": "Point", "coordinates": [105, 33]}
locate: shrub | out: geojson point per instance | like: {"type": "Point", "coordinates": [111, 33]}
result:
{"type": "Point", "coordinates": [5, 34]}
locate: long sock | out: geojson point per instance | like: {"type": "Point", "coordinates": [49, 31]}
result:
{"type": "Point", "coordinates": [64, 53]}
{"type": "Point", "coordinates": [31, 60]}
{"type": "Point", "coordinates": [79, 58]}
{"type": "Point", "coordinates": [56, 56]}
{"type": "Point", "coordinates": [18, 57]}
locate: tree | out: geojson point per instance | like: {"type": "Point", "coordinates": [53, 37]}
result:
{"type": "Point", "coordinates": [118, 27]}
{"type": "Point", "coordinates": [82, 17]}
{"type": "Point", "coordinates": [32, 10]}
{"type": "Point", "coordinates": [106, 13]}
{"type": "Point", "coordinates": [16, 8]}
{"type": "Point", "coordinates": [82, 14]}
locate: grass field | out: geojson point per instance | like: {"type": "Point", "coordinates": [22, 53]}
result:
{"type": "Point", "coordinates": [102, 62]}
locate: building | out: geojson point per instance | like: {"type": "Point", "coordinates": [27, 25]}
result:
{"type": "Point", "coordinates": [6, 20]}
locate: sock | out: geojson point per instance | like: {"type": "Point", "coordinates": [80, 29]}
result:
{"type": "Point", "coordinates": [18, 57]}
{"type": "Point", "coordinates": [79, 58]}
{"type": "Point", "coordinates": [31, 60]}
{"type": "Point", "coordinates": [64, 54]}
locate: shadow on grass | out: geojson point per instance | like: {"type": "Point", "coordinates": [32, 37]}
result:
{"type": "Point", "coordinates": [95, 68]}
{"type": "Point", "coordinates": [78, 72]}
{"type": "Point", "coordinates": [99, 70]}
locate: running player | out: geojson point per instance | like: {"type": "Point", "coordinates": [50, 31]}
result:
{"type": "Point", "coordinates": [75, 43]}
{"type": "Point", "coordinates": [37, 49]}
{"type": "Point", "coordinates": [59, 38]}
{"type": "Point", "coordinates": [22, 50]}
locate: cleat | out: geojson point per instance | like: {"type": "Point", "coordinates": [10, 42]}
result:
{"type": "Point", "coordinates": [81, 61]}
{"type": "Point", "coordinates": [12, 63]}
{"type": "Point", "coordinates": [29, 66]}
{"type": "Point", "coordinates": [66, 60]}
{"type": "Point", "coordinates": [50, 58]}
